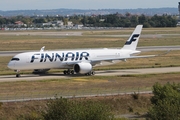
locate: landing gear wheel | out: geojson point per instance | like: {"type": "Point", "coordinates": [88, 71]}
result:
{"type": "Point", "coordinates": [90, 73]}
{"type": "Point", "coordinates": [65, 72]}
{"type": "Point", "coordinates": [18, 75]}
{"type": "Point", "coordinates": [72, 72]}
{"type": "Point", "coordinates": [68, 72]}
{"type": "Point", "coordinates": [87, 74]}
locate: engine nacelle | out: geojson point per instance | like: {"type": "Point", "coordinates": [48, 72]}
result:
{"type": "Point", "coordinates": [82, 68]}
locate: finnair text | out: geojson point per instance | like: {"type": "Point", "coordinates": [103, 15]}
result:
{"type": "Point", "coordinates": [52, 57]}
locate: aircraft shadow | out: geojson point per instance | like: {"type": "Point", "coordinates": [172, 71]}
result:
{"type": "Point", "coordinates": [58, 74]}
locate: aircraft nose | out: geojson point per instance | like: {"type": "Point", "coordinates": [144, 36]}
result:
{"type": "Point", "coordinates": [11, 65]}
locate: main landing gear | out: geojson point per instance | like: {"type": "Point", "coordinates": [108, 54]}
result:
{"type": "Point", "coordinates": [72, 72]}
{"type": "Point", "coordinates": [90, 73]}
{"type": "Point", "coordinates": [68, 72]}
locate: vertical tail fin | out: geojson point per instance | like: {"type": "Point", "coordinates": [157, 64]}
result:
{"type": "Point", "coordinates": [132, 42]}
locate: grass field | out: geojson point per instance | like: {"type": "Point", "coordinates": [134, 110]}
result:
{"type": "Point", "coordinates": [81, 86]}
{"type": "Point", "coordinates": [89, 39]}
{"type": "Point", "coordinates": [84, 85]}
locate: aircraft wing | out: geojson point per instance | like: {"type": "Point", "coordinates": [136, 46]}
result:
{"type": "Point", "coordinates": [130, 57]}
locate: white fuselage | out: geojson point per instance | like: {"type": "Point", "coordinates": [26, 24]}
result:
{"type": "Point", "coordinates": [65, 59]}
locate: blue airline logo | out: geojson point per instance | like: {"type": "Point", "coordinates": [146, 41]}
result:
{"type": "Point", "coordinates": [133, 38]}
{"type": "Point", "coordinates": [52, 57]}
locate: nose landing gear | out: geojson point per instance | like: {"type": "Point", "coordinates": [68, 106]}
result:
{"type": "Point", "coordinates": [17, 73]}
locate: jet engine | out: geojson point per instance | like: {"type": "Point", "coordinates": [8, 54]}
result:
{"type": "Point", "coordinates": [82, 68]}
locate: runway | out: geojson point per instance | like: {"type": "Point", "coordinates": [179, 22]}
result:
{"type": "Point", "coordinates": [33, 77]}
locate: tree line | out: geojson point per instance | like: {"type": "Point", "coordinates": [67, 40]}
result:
{"type": "Point", "coordinates": [128, 20]}
{"type": "Point", "coordinates": [111, 20]}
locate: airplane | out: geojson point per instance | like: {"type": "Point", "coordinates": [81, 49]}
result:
{"type": "Point", "coordinates": [76, 61]}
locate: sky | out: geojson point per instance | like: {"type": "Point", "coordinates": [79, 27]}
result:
{"type": "Point", "coordinates": [84, 4]}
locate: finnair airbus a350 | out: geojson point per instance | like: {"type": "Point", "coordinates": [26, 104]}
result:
{"type": "Point", "coordinates": [76, 61]}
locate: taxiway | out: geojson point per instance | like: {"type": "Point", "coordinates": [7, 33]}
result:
{"type": "Point", "coordinates": [34, 77]}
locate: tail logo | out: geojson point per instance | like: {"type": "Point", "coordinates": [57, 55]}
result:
{"type": "Point", "coordinates": [133, 38]}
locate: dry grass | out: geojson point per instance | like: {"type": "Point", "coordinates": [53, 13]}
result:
{"type": "Point", "coordinates": [35, 42]}
{"type": "Point", "coordinates": [83, 85]}
{"type": "Point", "coordinates": [51, 42]}
{"type": "Point", "coordinates": [120, 104]}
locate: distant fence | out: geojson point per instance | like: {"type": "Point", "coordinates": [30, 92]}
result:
{"type": "Point", "coordinates": [64, 28]}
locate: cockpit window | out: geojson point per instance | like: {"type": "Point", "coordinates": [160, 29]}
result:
{"type": "Point", "coordinates": [15, 59]}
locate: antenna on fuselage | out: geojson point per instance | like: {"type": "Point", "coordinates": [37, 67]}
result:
{"type": "Point", "coordinates": [42, 49]}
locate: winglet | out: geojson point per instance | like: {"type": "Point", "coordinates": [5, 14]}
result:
{"type": "Point", "coordinates": [132, 42]}
{"type": "Point", "coordinates": [164, 53]}
{"type": "Point", "coordinates": [42, 49]}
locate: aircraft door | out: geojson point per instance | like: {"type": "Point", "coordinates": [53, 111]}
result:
{"type": "Point", "coordinates": [28, 59]}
